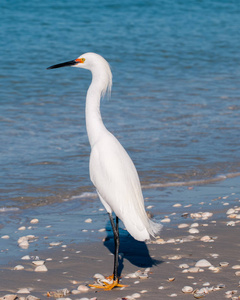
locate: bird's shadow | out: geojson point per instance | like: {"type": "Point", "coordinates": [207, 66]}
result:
{"type": "Point", "coordinates": [134, 251]}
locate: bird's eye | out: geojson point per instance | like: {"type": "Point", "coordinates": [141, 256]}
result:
{"type": "Point", "coordinates": [80, 60]}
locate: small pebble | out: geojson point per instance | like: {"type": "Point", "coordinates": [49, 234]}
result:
{"type": "Point", "coordinates": [22, 228]}
{"type": "Point", "coordinates": [30, 297]}
{"type": "Point", "coordinates": [166, 220]}
{"type": "Point", "coordinates": [26, 257]}
{"type": "Point", "coordinates": [194, 225]}
{"type": "Point", "coordinates": [214, 255]}
{"type": "Point", "coordinates": [83, 288]}
{"type": "Point", "coordinates": [187, 289]}
{"type": "Point", "coordinates": [9, 297]}
{"type": "Point", "coordinates": [88, 220]}
{"type": "Point", "coordinates": [183, 225]}
{"type": "Point", "coordinates": [5, 237]}
{"type": "Point", "coordinates": [136, 295]}
{"type": "Point", "coordinates": [184, 266]}
{"type": "Point", "coordinates": [231, 223]}
{"type": "Point", "coordinates": [143, 276]}
{"type": "Point", "coordinates": [34, 221]}
{"type": "Point", "coordinates": [149, 206]}
{"type": "Point", "coordinates": [41, 268]}
{"type": "Point", "coordinates": [236, 267]}
{"type": "Point", "coordinates": [24, 245]}
{"type": "Point", "coordinates": [193, 270]}
{"type": "Point", "coordinates": [38, 262]}
{"type": "Point", "coordinates": [203, 263]}
{"type": "Point", "coordinates": [18, 267]}
{"type": "Point", "coordinates": [171, 279]}
{"type": "Point", "coordinates": [75, 292]}
{"type": "Point", "coordinates": [206, 238]}
{"type": "Point", "coordinates": [23, 291]}
{"type": "Point", "coordinates": [237, 273]}
{"type": "Point", "coordinates": [193, 230]}
{"type": "Point", "coordinates": [174, 257]}
{"type": "Point", "coordinates": [55, 244]}
{"type": "Point", "coordinates": [230, 211]}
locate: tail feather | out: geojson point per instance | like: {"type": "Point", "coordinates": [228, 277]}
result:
{"type": "Point", "coordinates": [155, 228]}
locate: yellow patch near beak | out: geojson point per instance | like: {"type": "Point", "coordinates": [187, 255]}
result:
{"type": "Point", "coordinates": [80, 60]}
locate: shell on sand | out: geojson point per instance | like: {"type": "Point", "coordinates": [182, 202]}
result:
{"type": "Point", "coordinates": [184, 266]}
{"type": "Point", "coordinates": [58, 293]}
{"type": "Point", "coordinates": [38, 262]}
{"type": "Point", "coordinates": [41, 268]}
{"type": "Point", "coordinates": [24, 244]}
{"type": "Point", "coordinates": [18, 267]}
{"type": "Point", "coordinates": [98, 276]}
{"type": "Point", "coordinates": [9, 297]}
{"type": "Point", "coordinates": [237, 273]}
{"type": "Point", "coordinates": [23, 291]}
{"type": "Point", "coordinates": [236, 267]}
{"type": "Point", "coordinates": [6, 237]}
{"type": "Point", "coordinates": [88, 220]}
{"type": "Point", "coordinates": [205, 238]}
{"type": "Point", "coordinates": [136, 295]}
{"type": "Point", "coordinates": [183, 225]}
{"type": "Point", "coordinates": [203, 263]}
{"type": "Point", "coordinates": [83, 288]}
{"type": "Point", "coordinates": [187, 289]}
{"type": "Point", "coordinates": [34, 221]}
{"type": "Point", "coordinates": [223, 264]}
{"type": "Point", "coordinates": [171, 279]}
{"type": "Point", "coordinates": [166, 220]}
{"type": "Point", "coordinates": [30, 297]}
{"type": "Point", "coordinates": [193, 270]}
{"type": "Point", "coordinates": [193, 230]}
{"type": "Point", "coordinates": [194, 225]}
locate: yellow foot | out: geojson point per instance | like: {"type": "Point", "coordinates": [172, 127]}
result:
{"type": "Point", "coordinates": [108, 284]}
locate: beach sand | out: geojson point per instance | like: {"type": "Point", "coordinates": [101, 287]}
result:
{"type": "Point", "coordinates": [74, 264]}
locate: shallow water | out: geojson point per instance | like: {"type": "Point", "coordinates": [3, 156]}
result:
{"type": "Point", "coordinates": [64, 223]}
{"type": "Point", "coordinates": [175, 98]}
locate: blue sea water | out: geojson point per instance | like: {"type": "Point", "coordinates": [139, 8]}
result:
{"type": "Point", "coordinates": [175, 102]}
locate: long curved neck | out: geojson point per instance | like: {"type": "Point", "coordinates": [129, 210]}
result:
{"type": "Point", "coordinates": [94, 123]}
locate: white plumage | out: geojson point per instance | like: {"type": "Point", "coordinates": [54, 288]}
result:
{"type": "Point", "coordinates": [111, 169]}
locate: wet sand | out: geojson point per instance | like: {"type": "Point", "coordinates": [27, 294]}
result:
{"type": "Point", "coordinates": [74, 264]}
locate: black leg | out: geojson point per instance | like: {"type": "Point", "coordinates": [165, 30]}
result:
{"type": "Point", "coordinates": [116, 242]}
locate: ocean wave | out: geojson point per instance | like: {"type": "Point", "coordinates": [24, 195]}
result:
{"type": "Point", "coordinates": [8, 209]}
{"type": "Point", "coordinates": [192, 182]}
{"type": "Point", "coordinates": [83, 195]}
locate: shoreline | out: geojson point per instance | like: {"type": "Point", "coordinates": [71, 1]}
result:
{"type": "Point", "coordinates": [175, 248]}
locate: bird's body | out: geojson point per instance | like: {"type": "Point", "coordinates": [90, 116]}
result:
{"type": "Point", "coordinates": [116, 180]}
{"type": "Point", "coordinates": [111, 169]}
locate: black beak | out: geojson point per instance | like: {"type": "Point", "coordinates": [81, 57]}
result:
{"type": "Point", "coordinates": [65, 64]}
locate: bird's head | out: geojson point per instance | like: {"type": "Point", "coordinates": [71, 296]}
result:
{"type": "Point", "coordinates": [96, 64]}
{"type": "Point", "coordinates": [89, 61]}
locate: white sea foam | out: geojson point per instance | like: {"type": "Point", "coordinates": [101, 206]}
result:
{"type": "Point", "coordinates": [192, 182]}
{"type": "Point", "coordinates": [83, 195]}
{"type": "Point", "coordinates": [8, 209]}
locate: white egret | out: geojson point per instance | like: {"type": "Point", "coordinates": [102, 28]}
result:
{"type": "Point", "coordinates": [111, 169]}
